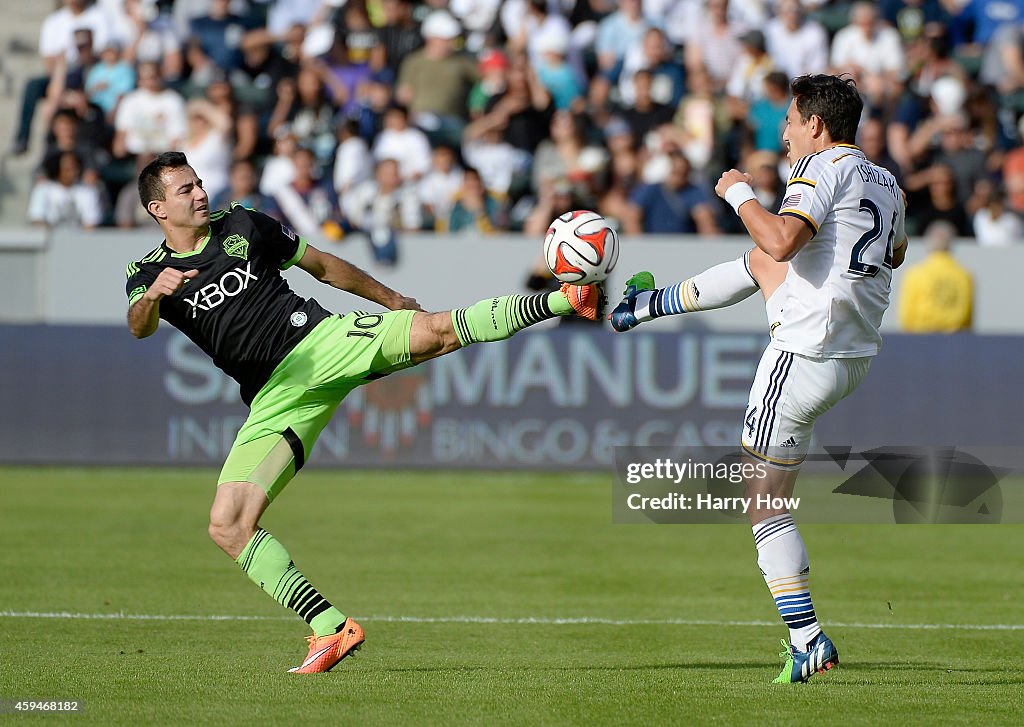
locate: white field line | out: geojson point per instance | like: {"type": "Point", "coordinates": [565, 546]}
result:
{"type": "Point", "coordinates": [568, 621]}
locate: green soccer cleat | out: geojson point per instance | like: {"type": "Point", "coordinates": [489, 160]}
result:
{"type": "Point", "coordinates": [821, 655]}
{"type": "Point", "coordinates": [623, 318]}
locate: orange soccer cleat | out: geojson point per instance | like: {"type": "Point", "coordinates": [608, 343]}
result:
{"type": "Point", "coordinates": [584, 299]}
{"type": "Point", "coordinates": [326, 651]}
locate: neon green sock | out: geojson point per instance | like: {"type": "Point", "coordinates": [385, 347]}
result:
{"type": "Point", "coordinates": [496, 319]}
{"type": "Point", "coordinates": [268, 564]}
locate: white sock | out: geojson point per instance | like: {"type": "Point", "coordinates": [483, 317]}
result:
{"type": "Point", "coordinates": [782, 558]}
{"type": "Point", "coordinates": [717, 287]}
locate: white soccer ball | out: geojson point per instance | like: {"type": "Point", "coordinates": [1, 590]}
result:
{"type": "Point", "coordinates": [581, 248]}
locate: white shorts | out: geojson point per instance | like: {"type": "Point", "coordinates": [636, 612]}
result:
{"type": "Point", "coordinates": [789, 393]}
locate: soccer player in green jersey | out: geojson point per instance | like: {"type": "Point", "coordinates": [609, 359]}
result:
{"type": "Point", "coordinates": [216, 278]}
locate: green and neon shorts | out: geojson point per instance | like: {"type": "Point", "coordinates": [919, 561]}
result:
{"type": "Point", "coordinates": [289, 412]}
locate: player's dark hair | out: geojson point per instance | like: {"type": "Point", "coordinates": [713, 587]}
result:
{"type": "Point", "coordinates": [151, 185]}
{"type": "Point", "coordinates": [832, 99]}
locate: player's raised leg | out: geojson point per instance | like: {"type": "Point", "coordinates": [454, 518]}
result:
{"type": "Point", "coordinates": [718, 287]}
{"type": "Point", "coordinates": [495, 319]}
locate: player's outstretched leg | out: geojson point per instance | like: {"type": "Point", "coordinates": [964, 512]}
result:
{"type": "Point", "coordinates": [723, 285]}
{"type": "Point", "coordinates": [495, 319]}
{"type": "Point", "coordinates": [233, 526]}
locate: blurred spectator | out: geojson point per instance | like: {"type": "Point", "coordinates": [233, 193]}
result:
{"type": "Point", "coordinates": [207, 144]}
{"type": "Point", "coordinates": [150, 119]}
{"type": "Point", "coordinates": [619, 32]}
{"type": "Point", "coordinates": [938, 201]}
{"type": "Point", "coordinates": [768, 114]}
{"type": "Point", "coordinates": [262, 69]}
{"type": "Point", "coordinates": [183, 12]}
{"type": "Point", "coordinates": [478, 17]}
{"type": "Point", "coordinates": [763, 166]}
{"type": "Point", "coordinates": [498, 162]}
{"type": "Point", "coordinates": [715, 46]}
{"type": "Point", "coordinates": [439, 186]}
{"type": "Point", "coordinates": [978, 20]}
{"type": "Point", "coordinates": [613, 202]}
{"type": "Point", "coordinates": [382, 205]}
{"type": "Point", "coordinates": [911, 17]}
{"type": "Point", "coordinates": [279, 169]}
{"type": "Point", "coordinates": [61, 199]}
{"type": "Point", "coordinates": [693, 127]}
{"type": "Point", "coordinates": [243, 131]}
{"type": "Point", "coordinates": [872, 52]}
{"type": "Point", "coordinates": [988, 128]}
{"type": "Point", "coordinates": [645, 115]}
{"type": "Point", "coordinates": [798, 46]}
{"type": "Point", "coordinates": [72, 74]}
{"type": "Point", "coordinates": [524, 110]}
{"type": "Point", "coordinates": [151, 36]}
{"type": "Point", "coordinates": [93, 129]}
{"type": "Point", "coordinates": [221, 34]}
{"type": "Point", "coordinates": [655, 55]}
{"type": "Point", "coordinates": [554, 71]}
{"type": "Point", "coordinates": [283, 15]}
{"type": "Point", "coordinates": [937, 294]}
{"type": "Point", "coordinates": [110, 79]}
{"type": "Point", "coordinates": [344, 77]}
{"type": "Point", "coordinates": [302, 104]}
{"type": "Point", "coordinates": [475, 210]}
{"type": "Point", "coordinates": [932, 60]}
{"type": "Point", "coordinates": [374, 102]}
{"type": "Point", "coordinates": [560, 156]}
{"type": "Point", "coordinates": [398, 37]}
{"type": "Point", "coordinates": [354, 31]}
{"type": "Point", "coordinates": [56, 44]}
{"type": "Point", "coordinates": [1013, 175]}
{"type": "Point", "coordinates": [954, 148]}
{"type": "Point", "coordinates": [308, 203]}
{"type": "Point", "coordinates": [746, 83]}
{"type": "Point", "coordinates": [434, 82]}
{"type": "Point", "coordinates": [674, 206]}
{"type": "Point", "coordinates": [404, 143]}
{"type": "Point", "coordinates": [493, 70]}
{"type": "Point", "coordinates": [871, 139]}
{"type": "Point", "coordinates": [553, 200]}
{"type": "Point", "coordinates": [243, 181]}
{"type": "Point", "coordinates": [543, 27]}
{"type": "Point", "coordinates": [994, 224]}
{"type": "Point", "coordinates": [65, 137]}
{"type": "Point", "coordinates": [352, 161]}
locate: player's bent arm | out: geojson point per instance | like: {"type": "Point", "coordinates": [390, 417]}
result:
{"type": "Point", "coordinates": [144, 317]}
{"type": "Point", "coordinates": [334, 271]}
{"type": "Point", "coordinates": [144, 314]}
{"type": "Point", "coordinates": [779, 236]}
{"type": "Point", "coordinates": [899, 254]}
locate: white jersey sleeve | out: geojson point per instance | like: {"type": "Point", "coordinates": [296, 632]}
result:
{"type": "Point", "coordinates": [837, 287]}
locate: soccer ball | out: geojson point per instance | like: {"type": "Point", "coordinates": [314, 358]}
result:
{"type": "Point", "coordinates": [581, 248]}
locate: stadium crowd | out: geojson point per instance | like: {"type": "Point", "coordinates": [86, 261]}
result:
{"type": "Point", "coordinates": [487, 115]}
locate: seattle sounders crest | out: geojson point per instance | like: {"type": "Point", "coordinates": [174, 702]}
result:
{"type": "Point", "coordinates": [237, 246]}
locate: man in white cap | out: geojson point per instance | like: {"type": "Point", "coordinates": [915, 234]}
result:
{"type": "Point", "coordinates": [434, 82]}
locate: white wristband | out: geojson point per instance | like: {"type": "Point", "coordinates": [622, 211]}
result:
{"type": "Point", "coordinates": [739, 193]}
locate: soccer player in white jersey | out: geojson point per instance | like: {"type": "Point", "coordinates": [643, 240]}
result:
{"type": "Point", "coordinates": [824, 263]}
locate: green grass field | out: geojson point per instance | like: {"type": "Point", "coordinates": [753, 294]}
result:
{"type": "Point", "coordinates": [423, 560]}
